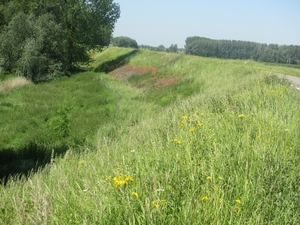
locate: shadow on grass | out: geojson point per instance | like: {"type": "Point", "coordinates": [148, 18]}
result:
{"type": "Point", "coordinates": [111, 65]}
{"type": "Point", "coordinates": [16, 163]}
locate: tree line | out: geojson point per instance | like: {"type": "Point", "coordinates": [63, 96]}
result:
{"type": "Point", "coordinates": [42, 39]}
{"type": "Point", "coordinates": [232, 49]}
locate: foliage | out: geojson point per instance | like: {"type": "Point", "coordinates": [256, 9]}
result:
{"type": "Point", "coordinates": [160, 48]}
{"type": "Point", "coordinates": [226, 154]}
{"type": "Point", "coordinates": [124, 42]}
{"type": "Point", "coordinates": [172, 48]}
{"type": "Point", "coordinates": [232, 49]}
{"type": "Point", "coordinates": [33, 47]}
{"type": "Point", "coordinates": [44, 39]}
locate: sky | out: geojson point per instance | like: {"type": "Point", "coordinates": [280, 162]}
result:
{"type": "Point", "coordinates": [166, 22]}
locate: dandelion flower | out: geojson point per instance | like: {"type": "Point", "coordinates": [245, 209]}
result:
{"type": "Point", "coordinates": [209, 178]}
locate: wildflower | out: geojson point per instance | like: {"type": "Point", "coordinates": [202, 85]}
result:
{"type": "Point", "coordinates": [117, 170]}
{"type": "Point", "coordinates": [237, 208]}
{"type": "Point", "coordinates": [204, 198]}
{"type": "Point", "coordinates": [108, 179]}
{"type": "Point", "coordinates": [238, 201]}
{"type": "Point", "coordinates": [176, 141]}
{"type": "Point", "coordinates": [185, 117]}
{"type": "Point", "coordinates": [192, 130]}
{"type": "Point", "coordinates": [122, 180]}
{"type": "Point", "coordinates": [160, 190]}
{"type": "Point", "coordinates": [134, 194]}
{"type": "Point", "coordinates": [209, 178]}
{"type": "Point", "coordinates": [242, 116]}
{"type": "Point", "coordinates": [80, 164]}
{"type": "Point", "coordinates": [200, 124]}
{"type": "Point", "coordinates": [157, 203]}
{"type": "Point", "coordinates": [220, 178]}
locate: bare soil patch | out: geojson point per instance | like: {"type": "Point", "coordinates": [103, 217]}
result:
{"type": "Point", "coordinates": [125, 72]}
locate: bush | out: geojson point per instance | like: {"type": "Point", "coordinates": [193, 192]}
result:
{"type": "Point", "coordinates": [124, 42]}
{"type": "Point", "coordinates": [29, 50]}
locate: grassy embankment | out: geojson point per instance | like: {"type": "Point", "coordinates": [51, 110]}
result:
{"type": "Point", "coordinates": [218, 146]}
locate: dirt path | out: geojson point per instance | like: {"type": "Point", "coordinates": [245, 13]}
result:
{"type": "Point", "coordinates": [295, 81]}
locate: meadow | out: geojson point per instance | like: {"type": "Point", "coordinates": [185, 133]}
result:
{"type": "Point", "coordinates": [145, 137]}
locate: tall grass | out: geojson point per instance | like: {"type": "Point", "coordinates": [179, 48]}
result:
{"type": "Point", "coordinates": [13, 83]}
{"type": "Point", "coordinates": [224, 155]}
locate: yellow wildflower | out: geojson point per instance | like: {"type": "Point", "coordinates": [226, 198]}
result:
{"type": "Point", "coordinates": [209, 178]}
{"type": "Point", "coordinates": [204, 198]}
{"type": "Point", "coordinates": [176, 141]}
{"type": "Point", "coordinates": [157, 203]}
{"type": "Point", "coordinates": [134, 194]}
{"type": "Point", "coordinates": [122, 180]}
{"type": "Point", "coordinates": [237, 208]}
{"type": "Point", "coordinates": [200, 124]}
{"type": "Point", "coordinates": [108, 179]}
{"type": "Point", "coordinates": [192, 130]}
{"type": "Point", "coordinates": [238, 201]}
{"type": "Point", "coordinates": [185, 117]}
{"type": "Point", "coordinates": [242, 116]}
{"type": "Point", "coordinates": [117, 170]}
{"type": "Point", "coordinates": [80, 163]}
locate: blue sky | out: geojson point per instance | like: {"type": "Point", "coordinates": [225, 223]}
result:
{"type": "Point", "coordinates": [166, 22]}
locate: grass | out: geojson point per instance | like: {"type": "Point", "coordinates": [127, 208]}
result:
{"type": "Point", "coordinates": [12, 83]}
{"type": "Point", "coordinates": [226, 153]}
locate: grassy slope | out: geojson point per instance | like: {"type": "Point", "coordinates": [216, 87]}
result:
{"type": "Point", "coordinates": [225, 152]}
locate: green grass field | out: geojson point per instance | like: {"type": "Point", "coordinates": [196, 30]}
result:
{"type": "Point", "coordinates": [162, 139]}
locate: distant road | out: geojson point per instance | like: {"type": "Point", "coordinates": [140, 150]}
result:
{"type": "Point", "coordinates": [295, 81]}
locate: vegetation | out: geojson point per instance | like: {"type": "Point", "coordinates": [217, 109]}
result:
{"type": "Point", "coordinates": [242, 50]}
{"type": "Point", "coordinates": [172, 48]}
{"type": "Point", "coordinates": [225, 151]}
{"type": "Point", "coordinates": [45, 39]}
{"type": "Point", "coordinates": [125, 42]}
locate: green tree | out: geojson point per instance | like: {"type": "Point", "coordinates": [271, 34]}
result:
{"type": "Point", "coordinates": [124, 42]}
{"type": "Point", "coordinates": [172, 48]}
{"type": "Point", "coordinates": [55, 33]}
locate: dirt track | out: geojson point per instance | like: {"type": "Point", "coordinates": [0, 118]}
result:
{"type": "Point", "coordinates": [295, 81]}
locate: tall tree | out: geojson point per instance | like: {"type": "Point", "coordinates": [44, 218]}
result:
{"type": "Point", "coordinates": [77, 26]}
